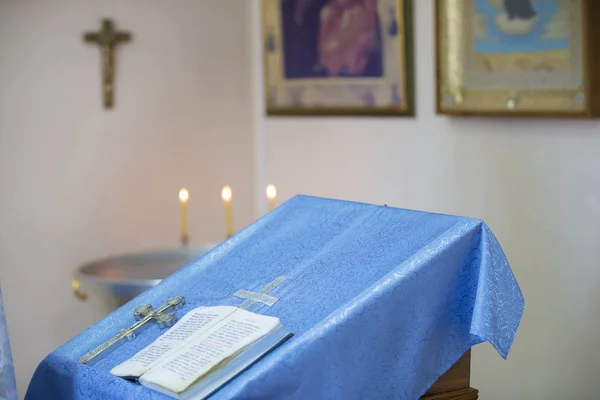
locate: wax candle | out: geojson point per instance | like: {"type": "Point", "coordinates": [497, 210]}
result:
{"type": "Point", "coordinates": [226, 195]}
{"type": "Point", "coordinates": [272, 196]}
{"type": "Point", "coordinates": [184, 196]}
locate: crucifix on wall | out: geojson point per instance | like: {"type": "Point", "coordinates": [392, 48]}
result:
{"type": "Point", "coordinates": [107, 39]}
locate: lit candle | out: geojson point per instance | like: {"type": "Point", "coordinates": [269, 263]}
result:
{"type": "Point", "coordinates": [226, 195]}
{"type": "Point", "coordinates": [272, 196]}
{"type": "Point", "coordinates": [184, 196]}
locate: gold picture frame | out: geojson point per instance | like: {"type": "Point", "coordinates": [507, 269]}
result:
{"type": "Point", "coordinates": [533, 58]}
{"type": "Point", "coordinates": [314, 68]}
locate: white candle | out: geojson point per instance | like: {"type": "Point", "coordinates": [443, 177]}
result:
{"type": "Point", "coordinates": [184, 196]}
{"type": "Point", "coordinates": [272, 196]}
{"type": "Point", "coordinates": [226, 194]}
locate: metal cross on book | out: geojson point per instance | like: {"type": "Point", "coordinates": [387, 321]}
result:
{"type": "Point", "coordinates": [143, 314]}
{"type": "Point", "coordinates": [107, 39]}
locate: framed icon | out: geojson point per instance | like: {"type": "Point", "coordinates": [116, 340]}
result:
{"type": "Point", "coordinates": [518, 57]}
{"type": "Point", "coordinates": [327, 57]}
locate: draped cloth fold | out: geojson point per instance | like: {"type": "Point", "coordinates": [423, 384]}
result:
{"type": "Point", "coordinates": [8, 386]}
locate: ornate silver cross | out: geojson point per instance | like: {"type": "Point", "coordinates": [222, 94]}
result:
{"type": "Point", "coordinates": [143, 315]}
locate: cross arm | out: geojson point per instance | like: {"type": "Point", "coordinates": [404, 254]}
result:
{"type": "Point", "coordinates": [122, 37]}
{"type": "Point", "coordinates": [91, 37]}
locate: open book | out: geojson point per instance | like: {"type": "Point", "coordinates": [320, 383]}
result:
{"type": "Point", "coordinates": [206, 349]}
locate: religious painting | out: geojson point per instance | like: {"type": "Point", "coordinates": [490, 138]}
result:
{"type": "Point", "coordinates": [519, 57]}
{"type": "Point", "coordinates": [338, 57]}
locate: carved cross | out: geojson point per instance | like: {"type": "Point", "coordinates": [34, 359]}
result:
{"type": "Point", "coordinates": [107, 39]}
{"type": "Point", "coordinates": [262, 296]}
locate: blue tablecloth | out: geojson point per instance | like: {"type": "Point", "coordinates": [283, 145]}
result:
{"type": "Point", "coordinates": [381, 302]}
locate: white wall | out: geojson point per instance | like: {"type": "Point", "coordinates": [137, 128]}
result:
{"type": "Point", "coordinates": [78, 182]}
{"type": "Point", "coordinates": [535, 182]}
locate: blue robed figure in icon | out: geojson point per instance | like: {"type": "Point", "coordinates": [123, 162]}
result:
{"type": "Point", "coordinates": [519, 26]}
{"type": "Point", "coordinates": [519, 9]}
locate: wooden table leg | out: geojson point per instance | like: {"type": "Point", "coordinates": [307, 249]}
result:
{"type": "Point", "coordinates": [455, 383]}
{"type": "Point", "coordinates": [464, 394]}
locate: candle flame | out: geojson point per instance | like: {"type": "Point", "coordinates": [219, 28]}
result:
{"type": "Point", "coordinates": [184, 195]}
{"type": "Point", "coordinates": [226, 193]}
{"type": "Point", "coordinates": [271, 192]}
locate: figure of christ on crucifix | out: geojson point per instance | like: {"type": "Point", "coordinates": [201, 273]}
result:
{"type": "Point", "coordinates": [107, 39]}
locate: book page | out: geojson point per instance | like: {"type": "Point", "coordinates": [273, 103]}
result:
{"type": "Point", "coordinates": [193, 323]}
{"type": "Point", "coordinates": [210, 350]}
